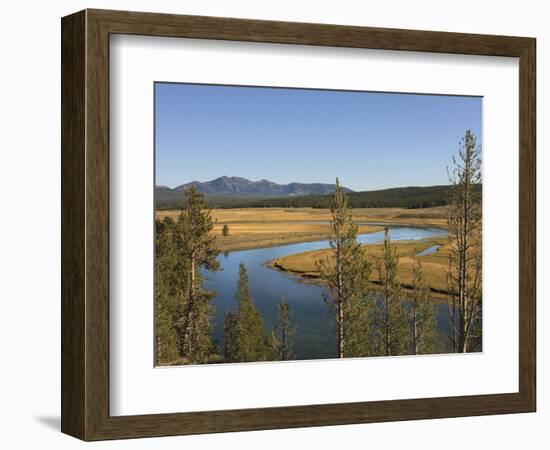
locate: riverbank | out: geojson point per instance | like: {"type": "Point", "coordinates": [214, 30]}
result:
{"type": "Point", "coordinates": [262, 235]}
{"type": "Point", "coordinates": [434, 265]}
{"type": "Point", "coordinates": [252, 228]}
{"type": "Point", "coordinates": [314, 338]}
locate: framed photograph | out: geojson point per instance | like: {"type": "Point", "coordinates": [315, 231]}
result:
{"type": "Point", "coordinates": [273, 225]}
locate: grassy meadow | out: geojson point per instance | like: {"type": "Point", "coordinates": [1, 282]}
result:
{"type": "Point", "coordinates": [434, 265]}
{"type": "Point", "coordinates": [251, 228]}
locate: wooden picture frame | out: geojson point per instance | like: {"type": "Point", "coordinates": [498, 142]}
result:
{"type": "Point", "coordinates": [85, 224]}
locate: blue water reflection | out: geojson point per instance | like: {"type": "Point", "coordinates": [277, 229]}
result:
{"type": "Point", "coordinates": [314, 338]}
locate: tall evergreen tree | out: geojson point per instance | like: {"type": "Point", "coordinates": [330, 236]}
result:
{"type": "Point", "coordinates": [168, 288]}
{"type": "Point", "coordinates": [284, 332]}
{"type": "Point", "coordinates": [390, 321]}
{"type": "Point", "coordinates": [421, 315]}
{"type": "Point", "coordinates": [345, 275]}
{"type": "Point", "coordinates": [244, 328]}
{"type": "Point", "coordinates": [464, 224]}
{"type": "Point", "coordinates": [195, 248]}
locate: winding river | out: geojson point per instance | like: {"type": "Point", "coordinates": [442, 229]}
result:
{"type": "Point", "coordinates": [314, 337]}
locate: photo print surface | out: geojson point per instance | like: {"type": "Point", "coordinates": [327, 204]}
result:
{"type": "Point", "coordinates": [303, 224]}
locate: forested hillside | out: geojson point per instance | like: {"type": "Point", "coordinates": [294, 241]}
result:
{"type": "Point", "coordinates": [403, 197]}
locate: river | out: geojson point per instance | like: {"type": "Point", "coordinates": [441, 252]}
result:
{"type": "Point", "coordinates": [314, 337]}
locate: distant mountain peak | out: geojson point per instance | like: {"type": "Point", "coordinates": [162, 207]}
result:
{"type": "Point", "coordinates": [242, 187]}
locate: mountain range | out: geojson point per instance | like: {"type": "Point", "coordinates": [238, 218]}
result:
{"type": "Point", "coordinates": [239, 193]}
{"type": "Point", "coordinates": [242, 187]}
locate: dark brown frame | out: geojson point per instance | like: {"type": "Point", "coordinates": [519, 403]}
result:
{"type": "Point", "coordinates": [85, 224]}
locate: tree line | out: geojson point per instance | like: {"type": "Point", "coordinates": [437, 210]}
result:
{"type": "Point", "coordinates": [367, 322]}
{"type": "Point", "coordinates": [405, 197]}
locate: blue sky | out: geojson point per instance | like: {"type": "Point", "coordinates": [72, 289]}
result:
{"type": "Point", "coordinates": [369, 140]}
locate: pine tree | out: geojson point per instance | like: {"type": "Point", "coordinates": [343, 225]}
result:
{"type": "Point", "coordinates": [345, 275]}
{"type": "Point", "coordinates": [283, 333]}
{"type": "Point", "coordinates": [167, 288]}
{"type": "Point", "coordinates": [244, 328]}
{"type": "Point", "coordinates": [272, 347]}
{"type": "Point", "coordinates": [195, 248]}
{"type": "Point", "coordinates": [421, 315]}
{"type": "Point", "coordinates": [464, 224]}
{"type": "Point", "coordinates": [390, 320]}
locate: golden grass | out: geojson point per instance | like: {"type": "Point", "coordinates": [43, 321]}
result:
{"type": "Point", "coordinates": [434, 266]}
{"type": "Point", "coordinates": [256, 235]}
{"type": "Point", "coordinates": [240, 215]}
{"type": "Point", "coordinates": [265, 227]}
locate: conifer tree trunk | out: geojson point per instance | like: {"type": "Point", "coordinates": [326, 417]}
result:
{"type": "Point", "coordinates": [422, 315]}
{"type": "Point", "coordinates": [464, 223]}
{"type": "Point", "coordinates": [339, 294]}
{"type": "Point", "coordinates": [391, 322]}
{"type": "Point", "coordinates": [187, 331]}
{"type": "Point", "coordinates": [283, 332]}
{"type": "Point", "coordinates": [345, 275]}
{"type": "Point", "coordinates": [414, 314]}
{"type": "Point", "coordinates": [195, 248]}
